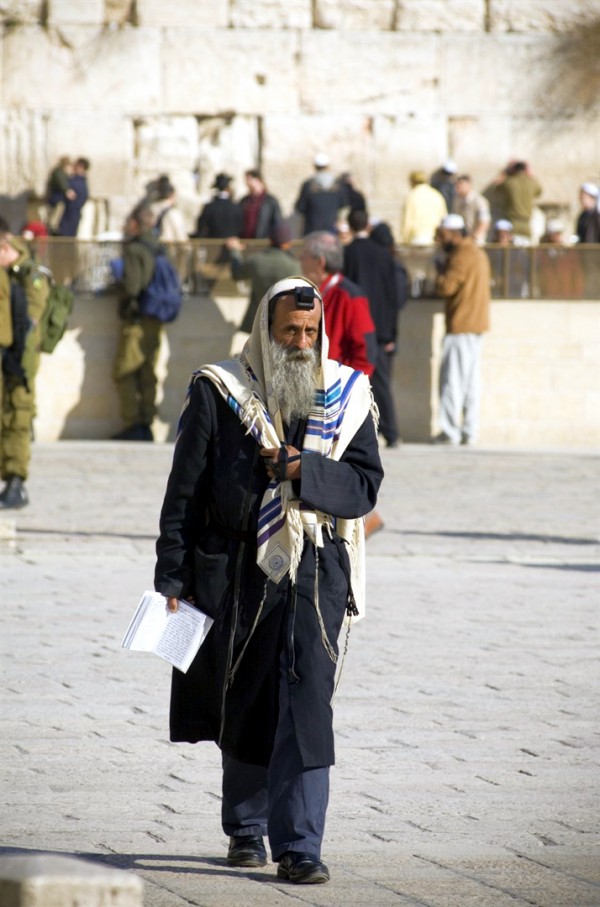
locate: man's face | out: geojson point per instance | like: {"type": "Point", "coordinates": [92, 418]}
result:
{"type": "Point", "coordinates": [462, 188]}
{"type": "Point", "coordinates": [295, 329]}
{"type": "Point", "coordinates": [131, 227]}
{"type": "Point", "coordinates": [255, 186]}
{"type": "Point", "coordinates": [588, 202]}
{"type": "Point", "coordinates": [449, 238]}
{"type": "Point", "coordinates": [312, 268]}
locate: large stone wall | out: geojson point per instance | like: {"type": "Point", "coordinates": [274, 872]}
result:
{"type": "Point", "coordinates": [196, 86]}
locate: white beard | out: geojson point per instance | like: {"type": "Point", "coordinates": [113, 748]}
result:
{"type": "Point", "coordinates": [294, 380]}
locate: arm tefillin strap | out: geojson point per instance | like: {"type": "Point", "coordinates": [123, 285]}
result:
{"type": "Point", "coordinates": [280, 468]}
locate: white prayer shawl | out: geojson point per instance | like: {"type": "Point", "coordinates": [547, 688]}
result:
{"type": "Point", "coordinates": [343, 400]}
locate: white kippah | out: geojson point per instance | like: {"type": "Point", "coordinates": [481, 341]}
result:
{"type": "Point", "coordinates": [591, 189]}
{"type": "Point", "coordinates": [453, 222]}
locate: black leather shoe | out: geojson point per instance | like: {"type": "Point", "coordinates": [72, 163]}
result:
{"type": "Point", "coordinates": [302, 868]}
{"type": "Point", "coordinates": [246, 850]}
{"type": "Point", "coordinates": [14, 496]}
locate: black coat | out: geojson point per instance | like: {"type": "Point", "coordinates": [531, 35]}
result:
{"type": "Point", "coordinates": [269, 216]}
{"type": "Point", "coordinates": [371, 266]}
{"type": "Point", "coordinates": [199, 550]}
{"type": "Point", "coordinates": [219, 219]}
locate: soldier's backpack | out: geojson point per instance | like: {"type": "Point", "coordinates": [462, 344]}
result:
{"type": "Point", "coordinates": [162, 297]}
{"type": "Point", "coordinates": [59, 307]}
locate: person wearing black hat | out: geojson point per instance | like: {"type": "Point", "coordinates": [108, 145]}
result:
{"type": "Point", "coordinates": [220, 217]}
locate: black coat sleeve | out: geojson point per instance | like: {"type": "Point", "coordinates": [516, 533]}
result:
{"type": "Point", "coordinates": [180, 519]}
{"type": "Point", "coordinates": [345, 488]}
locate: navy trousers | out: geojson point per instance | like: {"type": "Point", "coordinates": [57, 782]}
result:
{"type": "Point", "coordinates": [285, 801]}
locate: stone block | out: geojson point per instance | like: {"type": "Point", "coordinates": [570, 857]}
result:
{"type": "Point", "coordinates": [439, 15]}
{"type": "Point", "coordinates": [270, 14]}
{"type": "Point", "coordinates": [118, 12]}
{"type": "Point", "coordinates": [182, 13]}
{"type": "Point", "coordinates": [23, 143]}
{"type": "Point", "coordinates": [226, 144]}
{"type": "Point", "coordinates": [387, 73]}
{"type": "Point", "coordinates": [20, 12]}
{"type": "Point", "coordinates": [166, 144]}
{"type": "Point", "coordinates": [538, 15]}
{"type": "Point", "coordinates": [87, 68]}
{"type": "Point", "coordinates": [355, 14]}
{"type": "Point", "coordinates": [229, 70]}
{"type": "Point", "coordinates": [504, 65]}
{"type": "Point", "coordinates": [75, 12]}
{"type": "Point", "coordinates": [48, 880]}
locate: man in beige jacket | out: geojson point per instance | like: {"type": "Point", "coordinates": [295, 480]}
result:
{"type": "Point", "coordinates": [464, 282]}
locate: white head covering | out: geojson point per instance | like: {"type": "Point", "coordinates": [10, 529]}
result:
{"type": "Point", "coordinates": [590, 189]}
{"type": "Point", "coordinates": [453, 222]}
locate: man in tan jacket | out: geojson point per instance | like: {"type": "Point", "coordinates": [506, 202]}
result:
{"type": "Point", "coordinates": [464, 281]}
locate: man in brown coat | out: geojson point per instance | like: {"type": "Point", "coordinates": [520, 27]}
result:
{"type": "Point", "coordinates": [464, 281]}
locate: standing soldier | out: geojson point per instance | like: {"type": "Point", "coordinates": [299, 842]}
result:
{"type": "Point", "coordinates": [18, 388]}
{"type": "Point", "coordinates": [137, 354]}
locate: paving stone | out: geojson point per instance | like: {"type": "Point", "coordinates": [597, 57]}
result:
{"type": "Point", "coordinates": [467, 733]}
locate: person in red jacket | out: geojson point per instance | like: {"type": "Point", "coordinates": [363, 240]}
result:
{"type": "Point", "coordinates": [350, 327]}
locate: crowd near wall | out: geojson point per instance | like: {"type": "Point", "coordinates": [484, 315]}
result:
{"type": "Point", "coordinates": [193, 87]}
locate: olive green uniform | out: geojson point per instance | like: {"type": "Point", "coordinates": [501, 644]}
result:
{"type": "Point", "coordinates": [18, 399]}
{"type": "Point", "coordinates": [6, 333]}
{"type": "Point", "coordinates": [139, 341]}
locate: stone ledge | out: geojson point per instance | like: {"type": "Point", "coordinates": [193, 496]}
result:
{"type": "Point", "coordinates": [48, 880]}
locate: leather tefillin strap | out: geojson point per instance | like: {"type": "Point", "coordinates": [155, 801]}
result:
{"type": "Point", "coordinates": [280, 468]}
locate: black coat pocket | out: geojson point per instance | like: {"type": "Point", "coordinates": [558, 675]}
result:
{"type": "Point", "coordinates": [210, 581]}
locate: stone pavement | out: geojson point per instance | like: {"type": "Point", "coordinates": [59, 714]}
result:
{"type": "Point", "coordinates": [467, 726]}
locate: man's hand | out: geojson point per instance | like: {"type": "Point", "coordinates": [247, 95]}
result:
{"type": "Point", "coordinates": [172, 603]}
{"type": "Point", "coordinates": [271, 457]}
{"type": "Point", "coordinates": [234, 244]}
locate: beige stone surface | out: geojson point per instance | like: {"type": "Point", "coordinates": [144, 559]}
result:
{"type": "Point", "coordinates": [115, 69]}
{"type": "Point", "coordinates": [51, 880]}
{"type": "Point", "coordinates": [502, 64]}
{"type": "Point", "coordinates": [376, 72]}
{"type": "Point", "coordinates": [23, 144]}
{"type": "Point", "coordinates": [229, 70]}
{"type": "Point", "coordinates": [20, 11]}
{"type": "Point", "coordinates": [538, 15]}
{"type": "Point", "coordinates": [119, 11]}
{"type": "Point", "coordinates": [226, 144]}
{"type": "Point", "coordinates": [271, 14]}
{"type": "Point", "coordinates": [439, 15]}
{"type": "Point", "coordinates": [355, 14]}
{"type": "Point", "coordinates": [184, 13]}
{"type": "Point", "coordinates": [75, 12]}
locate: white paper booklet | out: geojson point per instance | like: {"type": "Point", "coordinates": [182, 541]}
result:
{"type": "Point", "coordinates": [174, 635]}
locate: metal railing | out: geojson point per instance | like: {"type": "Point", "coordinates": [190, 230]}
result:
{"type": "Point", "coordinates": [518, 272]}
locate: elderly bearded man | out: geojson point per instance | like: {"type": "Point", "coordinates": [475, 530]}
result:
{"type": "Point", "coordinates": [275, 464]}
